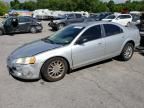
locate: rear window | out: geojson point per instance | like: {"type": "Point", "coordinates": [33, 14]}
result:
{"type": "Point", "coordinates": [111, 29]}
{"type": "Point", "coordinates": [24, 19]}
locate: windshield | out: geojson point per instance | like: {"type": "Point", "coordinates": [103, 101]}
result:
{"type": "Point", "coordinates": [64, 36]}
{"type": "Point", "coordinates": [63, 16]}
{"type": "Point", "coordinates": [110, 17]}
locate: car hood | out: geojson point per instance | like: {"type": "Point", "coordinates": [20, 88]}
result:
{"type": "Point", "coordinates": [33, 48]}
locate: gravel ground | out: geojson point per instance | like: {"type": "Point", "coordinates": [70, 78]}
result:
{"type": "Point", "coordinates": [109, 84]}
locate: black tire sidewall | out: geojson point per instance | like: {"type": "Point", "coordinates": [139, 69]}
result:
{"type": "Point", "coordinates": [44, 73]}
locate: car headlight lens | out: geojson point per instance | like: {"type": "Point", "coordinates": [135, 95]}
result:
{"type": "Point", "coordinates": [27, 60]}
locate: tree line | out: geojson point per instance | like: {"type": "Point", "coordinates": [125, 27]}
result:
{"type": "Point", "coordinates": [74, 5]}
{"type": "Point", "coordinates": [3, 8]}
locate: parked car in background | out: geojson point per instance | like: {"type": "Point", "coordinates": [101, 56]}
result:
{"type": "Point", "coordinates": [20, 24]}
{"type": "Point", "coordinates": [66, 20]}
{"type": "Point", "coordinates": [74, 46]}
{"type": "Point", "coordinates": [123, 19]}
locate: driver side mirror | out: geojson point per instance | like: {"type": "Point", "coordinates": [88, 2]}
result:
{"type": "Point", "coordinates": [81, 41]}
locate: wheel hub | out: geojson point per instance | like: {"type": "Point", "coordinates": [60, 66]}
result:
{"type": "Point", "coordinates": [56, 69]}
{"type": "Point", "coordinates": [128, 52]}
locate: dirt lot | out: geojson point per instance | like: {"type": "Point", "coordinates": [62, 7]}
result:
{"type": "Point", "coordinates": [109, 84]}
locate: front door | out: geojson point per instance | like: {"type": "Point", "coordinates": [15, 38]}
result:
{"type": "Point", "coordinates": [89, 47]}
{"type": "Point", "coordinates": [8, 26]}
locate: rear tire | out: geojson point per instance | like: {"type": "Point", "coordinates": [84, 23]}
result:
{"type": "Point", "coordinates": [54, 69]}
{"type": "Point", "coordinates": [127, 52]}
{"type": "Point", "coordinates": [33, 30]}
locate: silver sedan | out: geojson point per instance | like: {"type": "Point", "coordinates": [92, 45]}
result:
{"type": "Point", "coordinates": [75, 46]}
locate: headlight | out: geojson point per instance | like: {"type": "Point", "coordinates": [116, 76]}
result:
{"type": "Point", "coordinates": [27, 60]}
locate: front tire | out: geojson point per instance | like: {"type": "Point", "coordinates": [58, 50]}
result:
{"type": "Point", "coordinates": [54, 69]}
{"type": "Point", "coordinates": [127, 52]}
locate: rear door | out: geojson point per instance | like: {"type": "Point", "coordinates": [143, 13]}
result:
{"type": "Point", "coordinates": [24, 24]}
{"type": "Point", "coordinates": [92, 48]}
{"type": "Point", "coordinates": [114, 39]}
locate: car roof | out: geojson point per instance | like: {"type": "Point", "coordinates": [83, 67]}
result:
{"type": "Point", "coordinates": [87, 24]}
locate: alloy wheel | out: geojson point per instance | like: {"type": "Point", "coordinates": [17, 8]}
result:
{"type": "Point", "coordinates": [56, 69]}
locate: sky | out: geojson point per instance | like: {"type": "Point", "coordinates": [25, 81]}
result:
{"type": "Point", "coordinates": [117, 1]}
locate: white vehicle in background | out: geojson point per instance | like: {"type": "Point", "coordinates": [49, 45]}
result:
{"type": "Point", "coordinates": [123, 19]}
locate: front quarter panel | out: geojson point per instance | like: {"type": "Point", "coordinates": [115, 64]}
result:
{"type": "Point", "coordinates": [64, 52]}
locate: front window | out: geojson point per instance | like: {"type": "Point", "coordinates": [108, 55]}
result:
{"type": "Point", "coordinates": [70, 16]}
{"type": "Point", "coordinates": [65, 36]}
{"type": "Point", "coordinates": [111, 29]}
{"type": "Point", "coordinates": [91, 34]}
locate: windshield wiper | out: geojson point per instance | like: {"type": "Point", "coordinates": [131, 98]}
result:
{"type": "Point", "coordinates": [52, 42]}
{"type": "Point", "coordinates": [48, 40]}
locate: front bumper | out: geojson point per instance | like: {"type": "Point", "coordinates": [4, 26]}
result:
{"type": "Point", "coordinates": [29, 72]}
